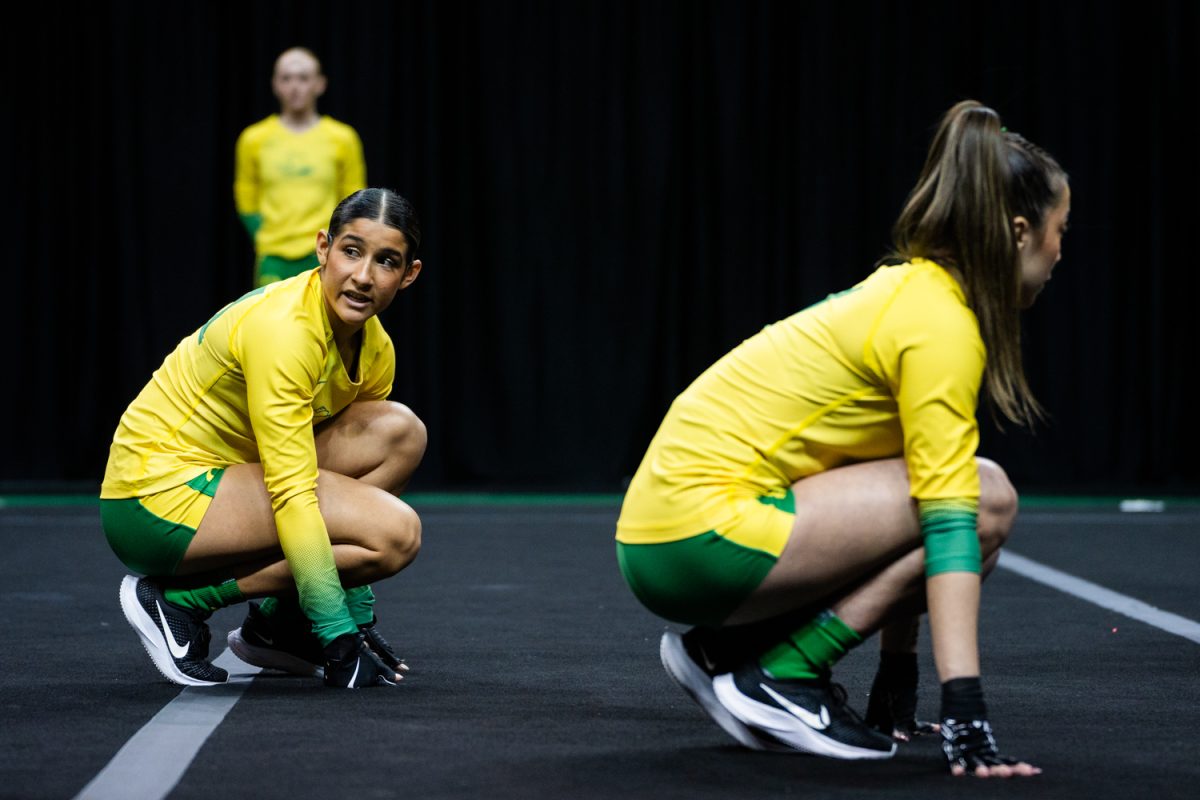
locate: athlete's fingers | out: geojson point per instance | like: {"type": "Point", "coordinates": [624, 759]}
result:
{"type": "Point", "coordinates": [969, 746]}
{"type": "Point", "coordinates": [915, 729]}
{"type": "Point", "coordinates": [980, 770]}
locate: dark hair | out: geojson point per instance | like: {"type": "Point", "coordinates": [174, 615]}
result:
{"type": "Point", "coordinates": [976, 179]}
{"type": "Point", "coordinates": [1035, 179]}
{"type": "Point", "coordinates": [381, 205]}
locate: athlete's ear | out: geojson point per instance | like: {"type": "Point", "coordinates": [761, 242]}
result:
{"type": "Point", "coordinates": [1022, 231]}
{"type": "Point", "coordinates": [322, 247]}
{"type": "Point", "coordinates": [414, 269]}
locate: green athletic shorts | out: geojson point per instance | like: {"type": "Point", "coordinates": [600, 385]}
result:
{"type": "Point", "coordinates": [151, 534]}
{"type": "Point", "coordinates": [699, 580]}
{"type": "Point", "coordinates": [274, 268]}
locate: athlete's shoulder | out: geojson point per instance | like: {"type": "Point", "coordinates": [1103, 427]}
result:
{"type": "Point", "coordinates": [338, 129]}
{"type": "Point", "coordinates": [261, 129]}
{"type": "Point", "coordinates": [924, 287]}
{"type": "Point", "coordinates": [922, 308]}
{"type": "Point", "coordinates": [376, 341]}
{"type": "Point", "coordinates": [279, 316]}
{"type": "Point", "coordinates": [336, 126]}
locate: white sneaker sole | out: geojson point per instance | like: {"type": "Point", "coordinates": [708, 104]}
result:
{"type": "Point", "coordinates": [699, 687]}
{"type": "Point", "coordinates": [152, 637]}
{"type": "Point", "coordinates": [271, 659]}
{"type": "Point", "coordinates": [787, 727]}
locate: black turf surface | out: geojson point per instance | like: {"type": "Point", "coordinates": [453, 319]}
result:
{"type": "Point", "coordinates": [535, 675]}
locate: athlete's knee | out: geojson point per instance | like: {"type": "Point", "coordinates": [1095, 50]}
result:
{"type": "Point", "coordinates": [402, 430]}
{"type": "Point", "coordinates": [400, 542]}
{"type": "Point", "coordinates": [997, 506]}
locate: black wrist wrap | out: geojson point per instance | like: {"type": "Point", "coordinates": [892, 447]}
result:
{"type": "Point", "coordinates": [962, 699]}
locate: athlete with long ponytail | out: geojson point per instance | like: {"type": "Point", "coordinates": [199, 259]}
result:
{"type": "Point", "coordinates": [820, 482]}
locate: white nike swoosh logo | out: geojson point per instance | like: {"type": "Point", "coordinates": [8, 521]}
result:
{"type": "Point", "coordinates": [177, 650]}
{"type": "Point", "coordinates": [354, 677]}
{"type": "Point", "coordinates": [270, 642]}
{"type": "Point", "coordinates": [709, 665]}
{"type": "Point", "coordinates": [818, 721]}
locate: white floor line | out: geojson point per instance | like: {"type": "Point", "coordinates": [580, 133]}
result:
{"type": "Point", "coordinates": [152, 762]}
{"type": "Point", "coordinates": [155, 758]}
{"type": "Point", "coordinates": [1098, 595]}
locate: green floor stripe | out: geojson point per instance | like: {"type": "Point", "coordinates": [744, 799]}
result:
{"type": "Point", "coordinates": [431, 499]}
{"type": "Point", "coordinates": [54, 500]}
{"type": "Point", "coordinates": [466, 499]}
{"type": "Point", "coordinates": [510, 499]}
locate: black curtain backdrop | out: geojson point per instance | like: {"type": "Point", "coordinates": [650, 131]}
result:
{"type": "Point", "coordinates": [613, 195]}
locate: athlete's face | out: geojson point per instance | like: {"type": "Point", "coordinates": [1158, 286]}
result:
{"type": "Point", "coordinates": [297, 82]}
{"type": "Point", "coordinates": [1041, 248]}
{"type": "Point", "coordinates": [362, 268]}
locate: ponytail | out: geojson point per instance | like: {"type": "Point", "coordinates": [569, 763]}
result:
{"type": "Point", "coordinates": [960, 215]}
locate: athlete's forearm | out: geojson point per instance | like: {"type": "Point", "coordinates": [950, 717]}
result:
{"type": "Point", "coordinates": [954, 623]}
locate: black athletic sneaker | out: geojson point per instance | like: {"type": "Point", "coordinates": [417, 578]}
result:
{"type": "Point", "coordinates": [350, 664]}
{"type": "Point", "coordinates": [684, 660]}
{"type": "Point", "coordinates": [175, 638]}
{"type": "Point", "coordinates": [286, 643]}
{"type": "Point", "coordinates": [811, 716]}
{"type": "Point", "coordinates": [374, 640]}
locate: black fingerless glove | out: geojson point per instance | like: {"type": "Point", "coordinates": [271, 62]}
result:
{"type": "Point", "coordinates": [892, 704]}
{"type": "Point", "coordinates": [379, 645]}
{"type": "Point", "coordinates": [967, 737]}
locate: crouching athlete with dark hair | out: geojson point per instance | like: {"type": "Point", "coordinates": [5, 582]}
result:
{"type": "Point", "coordinates": [263, 459]}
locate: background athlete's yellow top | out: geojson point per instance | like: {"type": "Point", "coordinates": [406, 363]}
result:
{"type": "Point", "coordinates": [293, 181]}
{"type": "Point", "coordinates": [248, 387]}
{"type": "Point", "coordinates": [892, 366]}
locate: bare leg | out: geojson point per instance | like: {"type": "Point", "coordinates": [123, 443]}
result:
{"type": "Point", "coordinates": [856, 543]}
{"type": "Point", "coordinates": [380, 444]}
{"type": "Point", "coordinates": [364, 454]}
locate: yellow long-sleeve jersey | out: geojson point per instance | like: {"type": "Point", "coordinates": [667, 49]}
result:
{"type": "Point", "coordinates": [293, 181]}
{"type": "Point", "coordinates": [248, 387]}
{"type": "Point", "coordinates": [891, 366]}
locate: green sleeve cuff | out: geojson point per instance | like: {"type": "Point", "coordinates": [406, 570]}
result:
{"type": "Point", "coordinates": [951, 538]}
{"type": "Point", "coordinates": [252, 222]}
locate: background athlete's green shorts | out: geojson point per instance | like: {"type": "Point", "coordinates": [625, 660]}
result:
{"type": "Point", "coordinates": [151, 534]}
{"type": "Point", "coordinates": [275, 268]}
{"type": "Point", "coordinates": [699, 580]}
